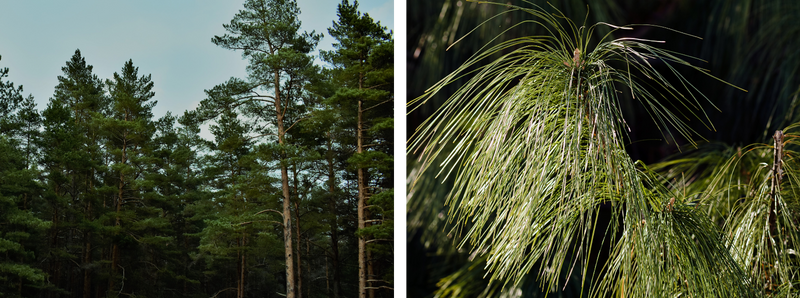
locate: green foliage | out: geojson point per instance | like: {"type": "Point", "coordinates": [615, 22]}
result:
{"type": "Point", "coordinates": [24, 271]}
{"type": "Point", "coordinates": [177, 183]}
{"type": "Point", "coordinates": [535, 140]}
{"type": "Point", "coordinates": [19, 192]}
{"type": "Point", "coordinates": [381, 206]}
{"type": "Point", "coordinates": [738, 188]}
{"type": "Point", "coordinates": [363, 72]}
{"type": "Point", "coordinates": [371, 159]}
{"type": "Point", "coordinates": [19, 225]}
{"type": "Point", "coordinates": [98, 198]}
{"type": "Point", "coordinates": [382, 124]}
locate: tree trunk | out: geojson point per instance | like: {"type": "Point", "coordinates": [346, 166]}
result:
{"type": "Point", "coordinates": [297, 224]}
{"type": "Point", "coordinates": [327, 279]}
{"type": "Point", "coordinates": [118, 207]}
{"type": "Point", "coordinates": [87, 258]}
{"type": "Point", "coordinates": [362, 198]}
{"type": "Point", "coordinates": [242, 267]}
{"type": "Point", "coordinates": [114, 257]}
{"type": "Point", "coordinates": [69, 275]}
{"type": "Point", "coordinates": [287, 212]}
{"type": "Point", "coordinates": [308, 266]}
{"type": "Point", "coordinates": [185, 258]}
{"type": "Point", "coordinates": [287, 234]}
{"type": "Point", "coordinates": [334, 219]}
{"type": "Point", "coordinates": [74, 281]}
{"type": "Point", "coordinates": [299, 247]}
{"type": "Point", "coordinates": [299, 264]}
{"type": "Point", "coordinates": [370, 275]}
{"type": "Point", "coordinates": [55, 264]}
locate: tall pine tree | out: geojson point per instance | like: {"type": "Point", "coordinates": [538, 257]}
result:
{"type": "Point", "coordinates": [267, 33]}
{"type": "Point", "coordinates": [128, 131]}
{"type": "Point", "coordinates": [226, 235]}
{"type": "Point", "coordinates": [73, 163]}
{"type": "Point", "coordinates": [177, 182]}
{"type": "Point", "coordinates": [364, 70]}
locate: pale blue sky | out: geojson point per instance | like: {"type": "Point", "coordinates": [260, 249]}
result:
{"type": "Point", "coordinates": [171, 40]}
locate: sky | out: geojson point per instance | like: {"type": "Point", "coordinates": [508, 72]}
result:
{"type": "Point", "coordinates": [171, 40]}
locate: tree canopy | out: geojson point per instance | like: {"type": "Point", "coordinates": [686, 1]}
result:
{"type": "Point", "coordinates": [101, 198]}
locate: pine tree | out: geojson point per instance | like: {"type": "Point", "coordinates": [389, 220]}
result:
{"type": "Point", "coordinates": [177, 180]}
{"type": "Point", "coordinates": [303, 168]}
{"type": "Point", "coordinates": [74, 163]}
{"type": "Point", "coordinates": [57, 145]}
{"type": "Point", "coordinates": [328, 134]}
{"type": "Point", "coordinates": [226, 233]}
{"type": "Point", "coordinates": [18, 222]}
{"type": "Point", "coordinates": [20, 121]}
{"type": "Point", "coordinates": [127, 132]}
{"type": "Point", "coordinates": [20, 193]}
{"type": "Point", "coordinates": [267, 34]}
{"type": "Point", "coordinates": [364, 69]}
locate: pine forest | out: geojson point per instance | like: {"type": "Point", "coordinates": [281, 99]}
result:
{"type": "Point", "coordinates": [291, 197]}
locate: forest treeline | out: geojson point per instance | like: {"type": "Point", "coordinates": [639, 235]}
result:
{"type": "Point", "coordinates": [292, 197]}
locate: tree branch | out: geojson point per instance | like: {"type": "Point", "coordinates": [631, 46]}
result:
{"type": "Point", "coordinates": [122, 281]}
{"type": "Point", "coordinates": [381, 287]}
{"type": "Point", "coordinates": [376, 86]}
{"type": "Point", "coordinates": [270, 210]}
{"type": "Point", "coordinates": [298, 120]}
{"type": "Point", "coordinates": [254, 97]}
{"type": "Point", "coordinates": [380, 103]}
{"type": "Point", "coordinates": [267, 96]}
{"type": "Point", "coordinates": [249, 222]}
{"type": "Point", "coordinates": [245, 48]}
{"type": "Point", "coordinates": [223, 290]}
{"type": "Point", "coordinates": [260, 135]}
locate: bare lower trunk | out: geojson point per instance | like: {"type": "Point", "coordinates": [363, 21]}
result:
{"type": "Point", "coordinates": [370, 275]}
{"type": "Point", "coordinates": [74, 281]}
{"type": "Point", "coordinates": [185, 259]}
{"type": "Point", "coordinates": [308, 266]}
{"type": "Point", "coordinates": [334, 221]}
{"type": "Point", "coordinates": [114, 263]}
{"type": "Point", "coordinates": [87, 258]}
{"type": "Point", "coordinates": [287, 212]}
{"type": "Point", "coordinates": [297, 227]}
{"type": "Point", "coordinates": [362, 198]}
{"type": "Point", "coordinates": [242, 268]}
{"type": "Point", "coordinates": [299, 260]}
{"type": "Point", "coordinates": [115, 246]}
{"type": "Point", "coordinates": [287, 234]}
{"type": "Point", "coordinates": [327, 279]}
{"type": "Point", "coordinates": [118, 207]}
{"type": "Point", "coordinates": [87, 279]}
{"type": "Point", "coordinates": [55, 264]}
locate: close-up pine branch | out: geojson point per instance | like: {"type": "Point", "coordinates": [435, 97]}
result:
{"type": "Point", "coordinates": [531, 168]}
